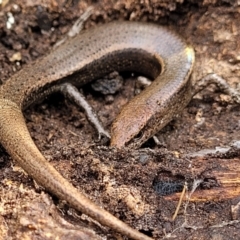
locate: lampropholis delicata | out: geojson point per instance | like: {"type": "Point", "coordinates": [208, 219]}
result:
{"type": "Point", "coordinates": [122, 46]}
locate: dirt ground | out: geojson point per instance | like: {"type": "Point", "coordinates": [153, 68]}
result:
{"type": "Point", "coordinates": [141, 187]}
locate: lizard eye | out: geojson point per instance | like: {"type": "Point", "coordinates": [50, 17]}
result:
{"type": "Point", "coordinates": [136, 141]}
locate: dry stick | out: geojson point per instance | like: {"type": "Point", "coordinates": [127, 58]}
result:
{"type": "Point", "coordinates": [77, 26]}
{"type": "Point", "coordinates": [180, 201]}
{"type": "Point", "coordinates": [220, 83]}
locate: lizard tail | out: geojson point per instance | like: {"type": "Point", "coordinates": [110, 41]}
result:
{"type": "Point", "coordinates": [15, 138]}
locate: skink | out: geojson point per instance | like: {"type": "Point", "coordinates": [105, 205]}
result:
{"type": "Point", "coordinates": [123, 46]}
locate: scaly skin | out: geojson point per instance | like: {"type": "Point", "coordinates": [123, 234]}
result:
{"type": "Point", "coordinates": [144, 48]}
